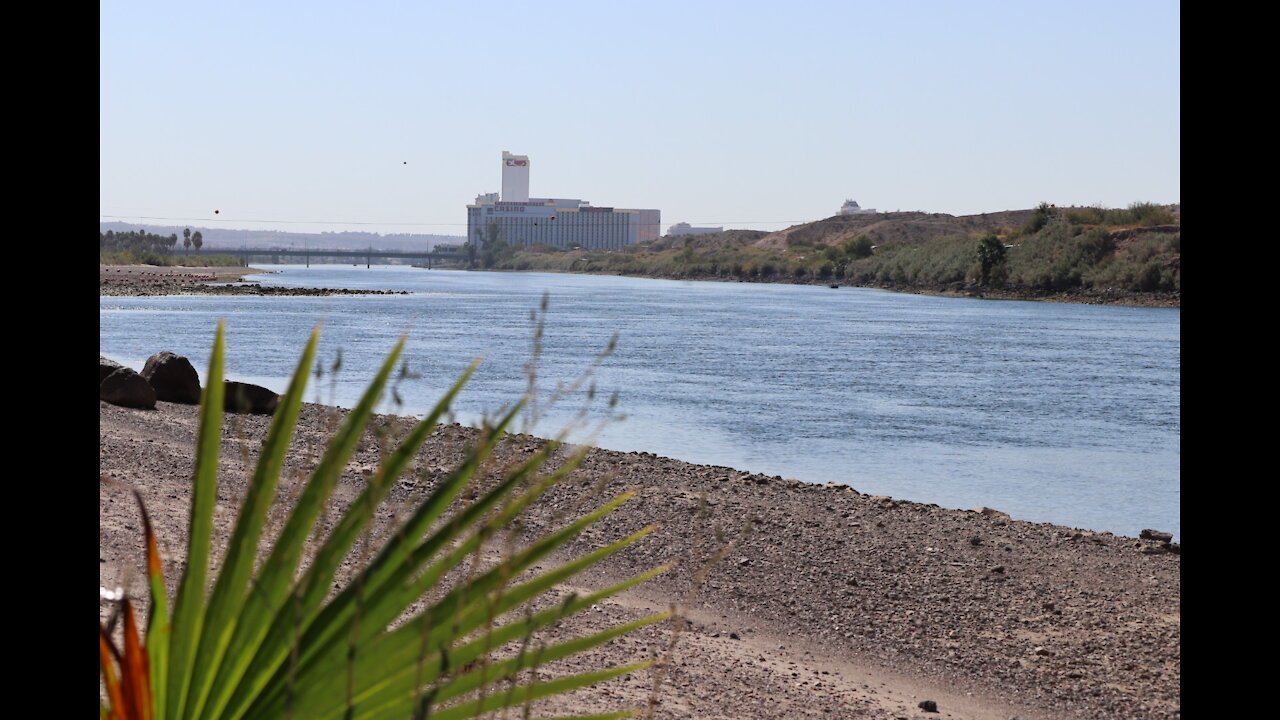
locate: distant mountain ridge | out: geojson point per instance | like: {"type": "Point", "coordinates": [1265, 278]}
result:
{"type": "Point", "coordinates": [346, 240]}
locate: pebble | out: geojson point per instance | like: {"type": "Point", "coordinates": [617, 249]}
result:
{"type": "Point", "coordinates": [878, 594]}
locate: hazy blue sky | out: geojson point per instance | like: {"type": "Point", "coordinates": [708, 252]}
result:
{"type": "Point", "coordinates": [392, 116]}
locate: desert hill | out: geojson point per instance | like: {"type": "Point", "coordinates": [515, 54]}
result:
{"type": "Point", "coordinates": [897, 226]}
{"type": "Point", "coordinates": [882, 228]}
{"type": "Point", "coordinates": [710, 241]}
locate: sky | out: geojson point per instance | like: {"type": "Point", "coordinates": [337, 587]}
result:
{"type": "Point", "coordinates": [391, 117]}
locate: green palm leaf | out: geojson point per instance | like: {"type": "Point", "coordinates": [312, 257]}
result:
{"type": "Point", "coordinates": [274, 641]}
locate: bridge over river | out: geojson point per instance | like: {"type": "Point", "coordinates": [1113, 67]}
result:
{"type": "Point", "coordinates": [428, 258]}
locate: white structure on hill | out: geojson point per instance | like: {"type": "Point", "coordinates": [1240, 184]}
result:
{"type": "Point", "coordinates": [850, 207]}
{"type": "Point", "coordinates": [524, 221]}
{"type": "Point", "coordinates": [684, 228]}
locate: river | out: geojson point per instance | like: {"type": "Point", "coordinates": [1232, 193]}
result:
{"type": "Point", "coordinates": [1050, 412]}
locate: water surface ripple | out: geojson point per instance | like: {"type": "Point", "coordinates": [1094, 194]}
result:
{"type": "Point", "coordinates": [1050, 412]}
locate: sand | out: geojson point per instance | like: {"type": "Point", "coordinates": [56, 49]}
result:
{"type": "Point", "coordinates": [835, 605]}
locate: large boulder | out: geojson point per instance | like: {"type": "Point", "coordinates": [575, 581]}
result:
{"type": "Point", "coordinates": [106, 367]}
{"type": "Point", "coordinates": [246, 398]}
{"type": "Point", "coordinates": [173, 378]}
{"type": "Point", "coordinates": [127, 388]}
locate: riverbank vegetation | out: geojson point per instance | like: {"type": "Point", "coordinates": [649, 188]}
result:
{"type": "Point", "coordinates": [1136, 249]}
{"type": "Point", "coordinates": [143, 257]}
{"type": "Point", "coordinates": [139, 247]}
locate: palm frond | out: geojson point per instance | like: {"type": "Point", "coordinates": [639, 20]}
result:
{"type": "Point", "coordinates": [277, 641]}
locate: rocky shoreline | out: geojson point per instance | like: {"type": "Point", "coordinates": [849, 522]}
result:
{"type": "Point", "coordinates": [116, 281]}
{"type": "Point", "coordinates": [169, 288]}
{"type": "Point", "coordinates": [1082, 296]}
{"type": "Point", "coordinates": [832, 604]}
{"type": "Point", "coordinates": [146, 280]}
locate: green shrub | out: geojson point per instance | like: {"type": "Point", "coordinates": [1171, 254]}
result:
{"type": "Point", "coordinates": [274, 640]}
{"type": "Point", "coordinates": [859, 247]}
{"type": "Point", "coordinates": [1141, 214]}
{"type": "Point", "coordinates": [1148, 277]}
{"type": "Point", "coordinates": [991, 254]}
{"type": "Point", "coordinates": [1146, 214]}
{"type": "Point", "coordinates": [1092, 215]}
{"type": "Point", "coordinates": [1043, 214]}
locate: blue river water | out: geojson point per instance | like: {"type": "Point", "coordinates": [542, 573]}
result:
{"type": "Point", "coordinates": [1051, 412]}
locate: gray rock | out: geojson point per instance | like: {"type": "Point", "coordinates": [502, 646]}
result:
{"type": "Point", "coordinates": [928, 706]}
{"type": "Point", "coordinates": [106, 367]}
{"type": "Point", "coordinates": [173, 378]}
{"type": "Point", "coordinates": [125, 387]}
{"type": "Point", "coordinates": [1156, 535]}
{"type": "Point", "coordinates": [991, 512]}
{"type": "Point", "coordinates": [247, 398]}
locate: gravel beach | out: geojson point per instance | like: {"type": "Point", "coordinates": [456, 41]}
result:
{"type": "Point", "coordinates": [143, 280]}
{"type": "Point", "coordinates": [833, 604]}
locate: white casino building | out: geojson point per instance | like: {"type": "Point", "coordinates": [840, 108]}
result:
{"type": "Point", "coordinates": [524, 221]}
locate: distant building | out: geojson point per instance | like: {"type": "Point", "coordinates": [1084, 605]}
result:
{"type": "Point", "coordinates": [515, 177]}
{"type": "Point", "coordinates": [687, 229]}
{"type": "Point", "coordinates": [524, 221]}
{"type": "Point", "coordinates": [850, 207]}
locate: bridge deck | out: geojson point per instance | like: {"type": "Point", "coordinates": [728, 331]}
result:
{"type": "Point", "coordinates": [276, 254]}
